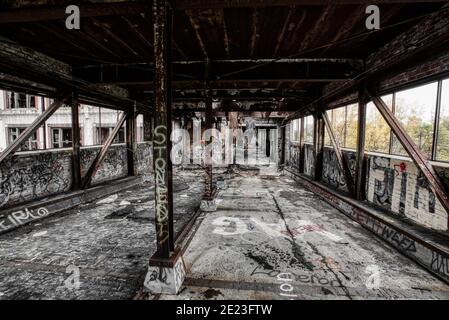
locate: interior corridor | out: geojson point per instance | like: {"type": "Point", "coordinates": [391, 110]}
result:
{"type": "Point", "coordinates": [272, 239]}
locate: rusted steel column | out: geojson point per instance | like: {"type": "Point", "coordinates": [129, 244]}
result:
{"type": "Point", "coordinates": [147, 127]}
{"type": "Point", "coordinates": [360, 170]}
{"type": "Point", "coordinates": [301, 146]}
{"type": "Point", "coordinates": [283, 138]}
{"type": "Point", "coordinates": [318, 144]}
{"type": "Point", "coordinates": [161, 132]}
{"type": "Point", "coordinates": [208, 191]}
{"type": "Point", "coordinates": [130, 141]}
{"type": "Point", "coordinates": [76, 144]}
{"type": "Point", "coordinates": [413, 151]}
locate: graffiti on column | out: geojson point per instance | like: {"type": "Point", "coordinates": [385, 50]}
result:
{"type": "Point", "coordinates": [160, 166]}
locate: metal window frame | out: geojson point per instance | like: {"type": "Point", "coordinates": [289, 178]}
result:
{"type": "Point", "coordinates": [436, 125]}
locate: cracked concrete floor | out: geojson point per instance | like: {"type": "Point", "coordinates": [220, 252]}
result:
{"type": "Point", "coordinates": [110, 242]}
{"type": "Point", "coordinates": [271, 239]}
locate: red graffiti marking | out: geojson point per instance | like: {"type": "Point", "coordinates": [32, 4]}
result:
{"type": "Point", "coordinates": [402, 168]}
{"type": "Point", "coordinates": [302, 229]}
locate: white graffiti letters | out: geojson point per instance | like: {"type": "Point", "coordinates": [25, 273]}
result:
{"type": "Point", "coordinates": [18, 218]}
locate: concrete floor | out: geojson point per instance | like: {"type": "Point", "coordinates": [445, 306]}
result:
{"type": "Point", "coordinates": [271, 239]}
{"type": "Point", "coordinates": [110, 241]}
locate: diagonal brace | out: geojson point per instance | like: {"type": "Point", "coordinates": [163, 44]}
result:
{"type": "Point", "coordinates": [103, 152]}
{"type": "Point", "coordinates": [33, 127]}
{"type": "Point", "coordinates": [342, 162]}
{"type": "Point", "coordinates": [413, 151]}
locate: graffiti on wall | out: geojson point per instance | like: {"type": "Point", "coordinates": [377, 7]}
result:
{"type": "Point", "coordinates": [30, 177]}
{"type": "Point", "coordinates": [113, 166]}
{"type": "Point", "coordinates": [309, 160]}
{"type": "Point", "coordinates": [143, 158]}
{"type": "Point", "coordinates": [331, 168]}
{"type": "Point", "coordinates": [294, 156]}
{"type": "Point", "coordinates": [400, 187]}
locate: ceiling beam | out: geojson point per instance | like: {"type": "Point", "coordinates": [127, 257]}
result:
{"type": "Point", "coordinates": [225, 71]}
{"type": "Point", "coordinates": [319, 27]}
{"type": "Point", "coordinates": [88, 10]}
{"type": "Point", "coordinates": [254, 34]}
{"type": "Point", "coordinates": [220, 4]}
{"type": "Point", "coordinates": [35, 67]}
{"type": "Point", "coordinates": [35, 13]}
{"type": "Point", "coordinates": [280, 39]}
{"type": "Point", "coordinates": [415, 45]}
{"type": "Point", "coordinates": [195, 24]}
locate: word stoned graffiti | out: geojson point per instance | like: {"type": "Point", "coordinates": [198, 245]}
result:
{"type": "Point", "coordinates": [160, 165]}
{"type": "Point", "coordinates": [18, 218]}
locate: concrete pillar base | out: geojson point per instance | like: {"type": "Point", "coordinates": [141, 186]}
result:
{"type": "Point", "coordinates": [208, 205]}
{"type": "Point", "coordinates": [165, 277]}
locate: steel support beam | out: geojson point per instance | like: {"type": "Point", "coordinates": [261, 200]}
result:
{"type": "Point", "coordinates": [103, 152]}
{"type": "Point", "coordinates": [76, 144]}
{"type": "Point", "coordinates": [318, 144]}
{"type": "Point", "coordinates": [208, 192]}
{"type": "Point", "coordinates": [33, 127]}
{"type": "Point", "coordinates": [131, 141]}
{"type": "Point", "coordinates": [301, 146]}
{"type": "Point", "coordinates": [283, 140]}
{"type": "Point", "coordinates": [221, 4]}
{"type": "Point", "coordinates": [360, 170]}
{"type": "Point", "coordinates": [147, 127]}
{"type": "Point", "coordinates": [342, 162]}
{"type": "Point", "coordinates": [413, 151]}
{"type": "Point", "coordinates": [161, 134]}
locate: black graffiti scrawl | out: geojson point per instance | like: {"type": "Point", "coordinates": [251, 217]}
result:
{"type": "Point", "coordinates": [28, 177]}
{"type": "Point", "coordinates": [422, 182]}
{"type": "Point", "coordinates": [381, 178]}
{"type": "Point", "coordinates": [332, 174]}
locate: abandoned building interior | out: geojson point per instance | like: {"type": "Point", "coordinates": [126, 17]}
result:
{"type": "Point", "coordinates": [222, 149]}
